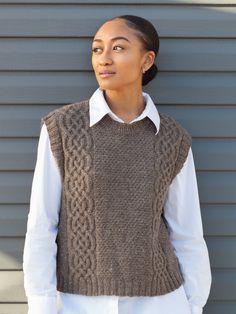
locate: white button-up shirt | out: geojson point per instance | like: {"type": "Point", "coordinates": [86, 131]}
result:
{"type": "Point", "coordinates": [181, 210]}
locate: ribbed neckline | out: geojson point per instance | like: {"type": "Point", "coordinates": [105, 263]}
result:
{"type": "Point", "coordinates": [125, 128]}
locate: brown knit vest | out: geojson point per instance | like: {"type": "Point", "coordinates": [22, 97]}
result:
{"type": "Point", "coordinates": [112, 236]}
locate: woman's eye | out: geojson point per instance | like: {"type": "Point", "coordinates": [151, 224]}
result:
{"type": "Point", "coordinates": [95, 49]}
{"type": "Point", "coordinates": [118, 47]}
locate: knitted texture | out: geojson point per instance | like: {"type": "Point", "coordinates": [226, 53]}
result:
{"type": "Point", "coordinates": [112, 237]}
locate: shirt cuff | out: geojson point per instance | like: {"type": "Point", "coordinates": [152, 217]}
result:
{"type": "Point", "coordinates": [195, 309]}
{"type": "Point", "coordinates": [42, 304]}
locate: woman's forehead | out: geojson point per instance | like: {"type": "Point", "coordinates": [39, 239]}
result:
{"type": "Point", "coordinates": [115, 28]}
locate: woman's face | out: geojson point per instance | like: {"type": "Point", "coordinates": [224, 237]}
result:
{"type": "Point", "coordinates": [123, 58]}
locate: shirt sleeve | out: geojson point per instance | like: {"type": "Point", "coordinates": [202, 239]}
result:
{"type": "Point", "coordinates": [39, 256]}
{"type": "Point", "coordinates": [183, 215]}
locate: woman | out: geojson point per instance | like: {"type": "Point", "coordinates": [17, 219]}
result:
{"type": "Point", "coordinates": [114, 223]}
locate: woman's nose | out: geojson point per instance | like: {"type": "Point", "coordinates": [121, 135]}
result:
{"type": "Point", "coordinates": [105, 59]}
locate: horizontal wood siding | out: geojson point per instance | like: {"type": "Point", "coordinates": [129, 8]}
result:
{"type": "Point", "coordinates": [45, 52]}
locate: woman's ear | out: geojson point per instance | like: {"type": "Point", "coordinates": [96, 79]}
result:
{"type": "Point", "coordinates": [149, 60]}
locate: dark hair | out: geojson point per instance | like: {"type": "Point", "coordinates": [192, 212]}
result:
{"type": "Point", "coordinates": [149, 37]}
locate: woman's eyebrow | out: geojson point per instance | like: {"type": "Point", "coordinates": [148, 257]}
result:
{"type": "Point", "coordinates": [113, 39]}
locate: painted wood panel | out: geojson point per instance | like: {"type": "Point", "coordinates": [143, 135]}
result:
{"type": "Point", "coordinates": [21, 121]}
{"type": "Point", "coordinates": [209, 154]}
{"type": "Point", "coordinates": [165, 2]}
{"type": "Point", "coordinates": [224, 286]}
{"type": "Point", "coordinates": [77, 20]}
{"type": "Point", "coordinates": [220, 250]}
{"type": "Point", "coordinates": [13, 220]}
{"type": "Point", "coordinates": [214, 186]}
{"type": "Point", "coordinates": [169, 88]}
{"type": "Point", "coordinates": [13, 308]}
{"type": "Point", "coordinates": [220, 307]}
{"type": "Point", "coordinates": [74, 54]}
{"type": "Point", "coordinates": [11, 253]}
{"type": "Point", "coordinates": [218, 220]}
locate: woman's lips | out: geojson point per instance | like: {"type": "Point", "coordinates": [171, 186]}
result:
{"type": "Point", "coordinates": [106, 74]}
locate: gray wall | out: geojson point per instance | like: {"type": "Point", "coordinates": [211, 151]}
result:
{"type": "Point", "coordinates": [45, 63]}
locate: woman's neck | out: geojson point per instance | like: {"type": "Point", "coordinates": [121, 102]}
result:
{"type": "Point", "coordinates": [126, 105]}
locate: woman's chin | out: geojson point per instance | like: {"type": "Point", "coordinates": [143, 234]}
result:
{"type": "Point", "coordinates": [109, 85]}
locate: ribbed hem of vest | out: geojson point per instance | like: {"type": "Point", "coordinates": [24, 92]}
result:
{"type": "Point", "coordinates": [124, 128]}
{"type": "Point", "coordinates": [148, 287]}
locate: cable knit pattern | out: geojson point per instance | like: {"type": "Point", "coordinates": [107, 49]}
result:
{"type": "Point", "coordinates": [112, 237]}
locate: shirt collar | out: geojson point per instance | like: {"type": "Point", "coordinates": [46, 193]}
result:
{"type": "Point", "coordinates": [98, 108]}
